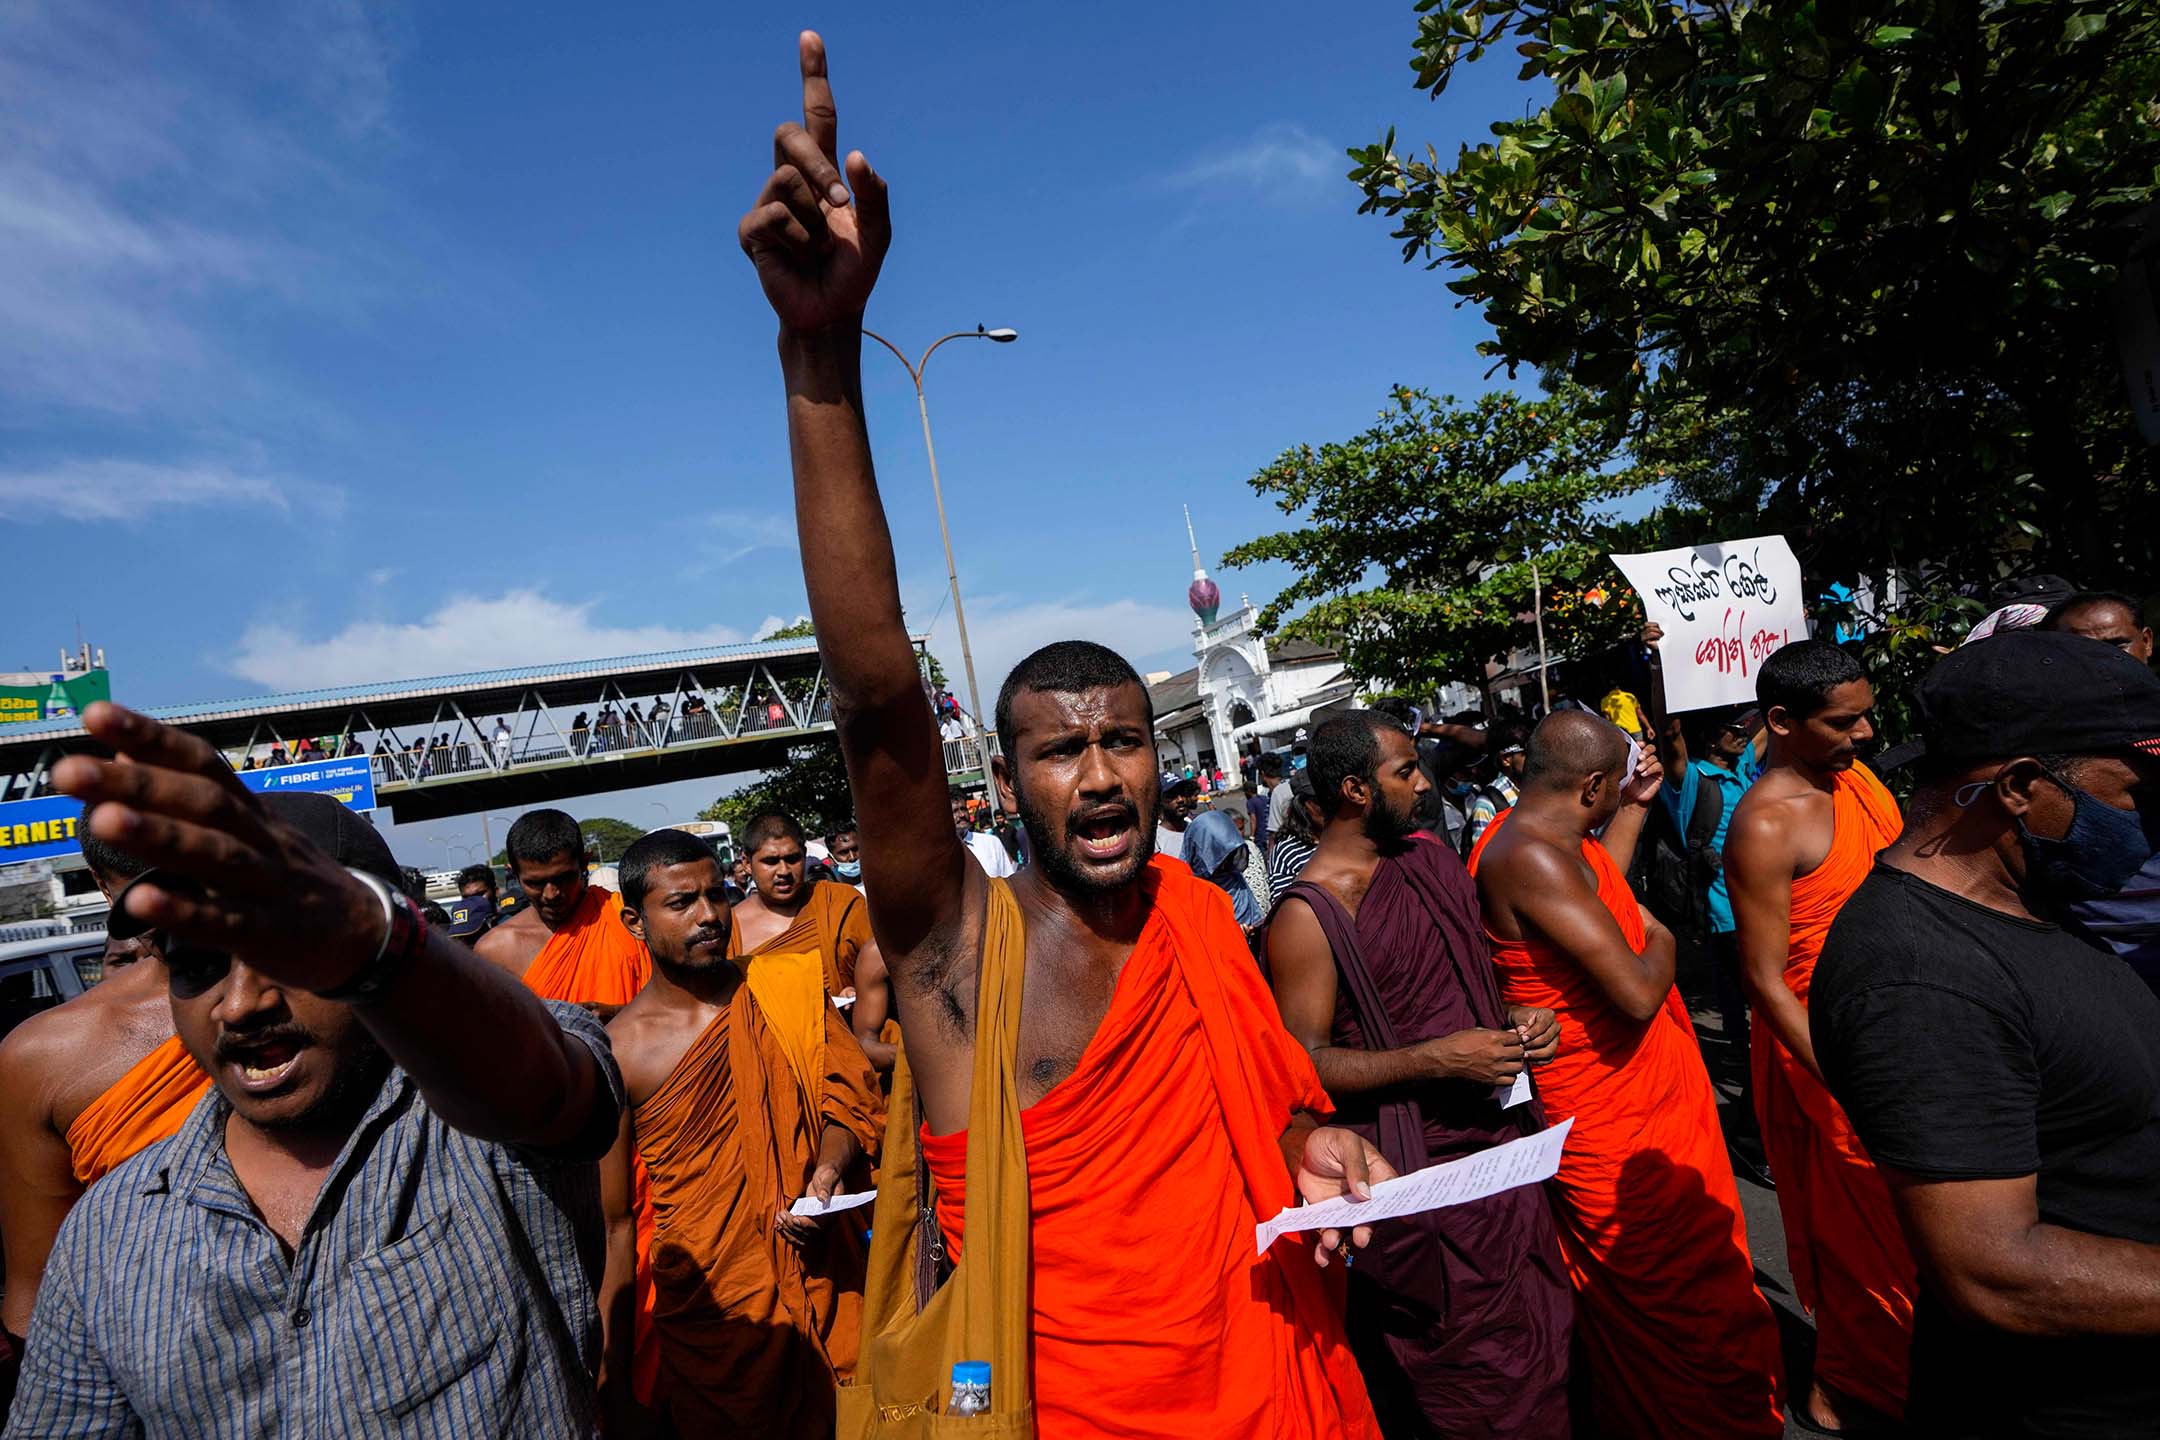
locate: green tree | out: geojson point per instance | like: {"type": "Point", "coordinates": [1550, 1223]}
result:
{"type": "Point", "coordinates": [1854, 258]}
{"type": "Point", "coordinates": [606, 838]}
{"type": "Point", "coordinates": [1415, 549]}
{"type": "Point", "coordinates": [810, 785]}
{"type": "Point", "coordinates": [800, 630]}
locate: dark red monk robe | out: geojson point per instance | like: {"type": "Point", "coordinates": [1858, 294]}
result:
{"type": "Point", "coordinates": [1459, 1317]}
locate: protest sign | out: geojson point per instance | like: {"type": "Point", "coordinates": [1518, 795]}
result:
{"type": "Point", "coordinates": [1724, 607]}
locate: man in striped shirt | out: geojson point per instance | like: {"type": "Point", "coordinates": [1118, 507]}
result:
{"type": "Point", "coordinates": [384, 1218]}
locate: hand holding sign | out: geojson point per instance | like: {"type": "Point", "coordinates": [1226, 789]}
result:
{"type": "Point", "coordinates": [1717, 611]}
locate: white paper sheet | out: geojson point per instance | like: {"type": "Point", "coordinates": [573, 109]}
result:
{"type": "Point", "coordinates": [1514, 1093]}
{"type": "Point", "coordinates": [809, 1205]}
{"type": "Point", "coordinates": [841, 1002]}
{"type": "Point", "coordinates": [1527, 1161]}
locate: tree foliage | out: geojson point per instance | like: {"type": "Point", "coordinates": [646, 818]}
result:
{"type": "Point", "coordinates": [1853, 256]}
{"type": "Point", "coordinates": [1415, 549]}
{"type": "Point", "coordinates": [811, 785]}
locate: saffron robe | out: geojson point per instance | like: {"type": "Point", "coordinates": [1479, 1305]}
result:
{"type": "Point", "coordinates": [1850, 1263]}
{"type": "Point", "coordinates": [834, 921]}
{"type": "Point", "coordinates": [592, 960]}
{"type": "Point", "coordinates": [1679, 1341]}
{"type": "Point", "coordinates": [1144, 1326]}
{"type": "Point", "coordinates": [753, 1333]}
{"type": "Point", "coordinates": [1460, 1317]}
{"type": "Point", "coordinates": [140, 1108]}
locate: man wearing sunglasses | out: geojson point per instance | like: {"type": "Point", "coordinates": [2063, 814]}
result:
{"type": "Point", "coordinates": [385, 1216]}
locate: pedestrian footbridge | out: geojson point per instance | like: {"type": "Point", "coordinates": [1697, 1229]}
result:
{"type": "Point", "coordinates": [505, 739]}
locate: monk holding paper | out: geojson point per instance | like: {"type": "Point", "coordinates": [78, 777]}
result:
{"type": "Point", "coordinates": [83, 1086]}
{"type": "Point", "coordinates": [1679, 1341]}
{"type": "Point", "coordinates": [747, 1092]}
{"type": "Point", "coordinates": [566, 943]}
{"type": "Point", "coordinates": [1164, 1110]}
{"type": "Point", "coordinates": [1460, 1316]}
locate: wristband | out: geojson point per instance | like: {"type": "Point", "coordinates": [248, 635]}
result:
{"type": "Point", "coordinates": [404, 936]}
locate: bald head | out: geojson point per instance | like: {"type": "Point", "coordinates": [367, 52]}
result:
{"type": "Point", "coordinates": [1568, 746]}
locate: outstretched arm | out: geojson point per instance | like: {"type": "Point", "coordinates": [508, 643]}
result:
{"type": "Point", "coordinates": [37, 1176]}
{"type": "Point", "coordinates": [817, 257]}
{"type": "Point", "coordinates": [277, 903]}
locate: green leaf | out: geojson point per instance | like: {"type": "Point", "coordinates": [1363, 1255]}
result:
{"type": "Point", "coordinates": [1573, 112]}
{"type": "Point", "coordinates": [2051, 207]}
{"type": "Point", "coordinates": [1892, 35]}
{"type": "Point", "coordinates": [2083, 25]}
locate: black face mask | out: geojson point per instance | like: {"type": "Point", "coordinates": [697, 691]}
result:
{"type": "Point", "coordinates": [2098, 855]}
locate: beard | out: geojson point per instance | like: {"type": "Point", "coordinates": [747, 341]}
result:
{"type": "Point", "coordinates": [1388, 828]}
{"type": "Point", "coordinates": [1063, 869]}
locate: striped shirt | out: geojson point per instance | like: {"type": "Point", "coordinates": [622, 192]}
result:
{"type": "Point", "coordinates": [444, 1286]}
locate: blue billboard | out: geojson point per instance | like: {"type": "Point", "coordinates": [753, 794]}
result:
{"type": "Point", "coordinates": [40, 829]}
{"type": "Point", "coordinates": [350, 780]}
{"type": "Point", "coordinates": [50, 827]}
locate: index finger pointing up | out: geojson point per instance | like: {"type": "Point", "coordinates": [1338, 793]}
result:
{"type": "Point", "coordinates": [818, 115]}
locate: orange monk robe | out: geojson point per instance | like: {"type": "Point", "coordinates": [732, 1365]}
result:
{"type": "Point", "coordinates": [834, 921]}
{"type": "Point", "coordinates": [752, 1332]}
{"type": "Point", "coordinates": [143, 1106]}
{"type": "Point", "coordinates": [1850, 1265]}
{"type": "Point", "coordinates": [1679, 1340]}
{"type": "Point", "coordinates": [592, 960]}
{"type": "Point", "coordinates": [1148, 1168]}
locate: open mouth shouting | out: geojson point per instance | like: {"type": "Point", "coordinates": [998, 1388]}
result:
{"type": "Point", "coordinates": [262, 1064]}
{"type": "Point", "coordinates": [1105, 834]}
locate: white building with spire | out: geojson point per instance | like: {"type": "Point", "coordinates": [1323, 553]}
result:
{"type": "Point", "coordinates": [1244, 694]}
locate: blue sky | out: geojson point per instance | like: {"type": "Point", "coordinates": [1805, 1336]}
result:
{"type": "Point", "coordinates": [345, 343]}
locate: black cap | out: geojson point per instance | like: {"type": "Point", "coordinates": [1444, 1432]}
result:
{"type": "Point", "coordinates": [2046, 591]}
{"type": "Point", "coordinates": [2038, 692]}
{"type": "Point", "coordinates": [338, 832]}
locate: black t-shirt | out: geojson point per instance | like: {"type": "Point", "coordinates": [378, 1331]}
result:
{"type": "Point", "coordinates": [1969, 1045]}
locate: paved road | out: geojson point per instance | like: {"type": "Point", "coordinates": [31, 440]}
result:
{"type": "Point", "coordinates": [1766, 1231]}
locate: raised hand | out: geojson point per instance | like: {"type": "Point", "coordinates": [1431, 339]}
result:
{"type": "Point", "coordinates": [1649, 775]}
{"type": "Point", "coordinates": [235, 877]}
{"type": "Point", "coordinates": [817, 254]}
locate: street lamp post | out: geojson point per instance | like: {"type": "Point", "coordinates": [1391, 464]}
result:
{"type": "Point", "coordinates": [937, 494]}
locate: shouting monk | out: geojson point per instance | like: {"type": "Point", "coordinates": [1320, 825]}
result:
{"type": "Point", "coordinates": [1151, 1069]}
{"type": "Point", "coordinates": [784, 911]}
{"type": "Point", "coordinates": [1460, 1317]}
{"type": "Point", "coordinates": [1801, 842]}
{"type": "Point", "coordinates": [565, 944]}
{"type": "Point", "coordinates": [746, 1092]}
{"type": "Point", "coordinates": [82, 1087]}
{"type": "Point", "coordinates": [1679, 1340]}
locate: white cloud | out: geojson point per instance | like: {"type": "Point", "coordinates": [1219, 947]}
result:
{"type": "Point", "coordinates": [1280, 161]}
{"type": "Point", "coordinates": [1003, 631]}
{"type": "Point", "coordinates": [92, 490]}
{"type": "Point", "coordinates": [735, 534]}
{"type": "Point", "coordinates": [158, 171]}
{"type": "Point", "coordinates": [468, 632]}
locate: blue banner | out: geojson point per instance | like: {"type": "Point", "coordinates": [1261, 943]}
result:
{"type": "Point", "coordinates": [350, 780]}
{"type": "Point", "coordinates": [47, 828]}
{"type": "Point", "coordinates": [41, 829]}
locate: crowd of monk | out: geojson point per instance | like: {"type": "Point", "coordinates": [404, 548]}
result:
{"type": "Point", "coordinates": [305, 1164]}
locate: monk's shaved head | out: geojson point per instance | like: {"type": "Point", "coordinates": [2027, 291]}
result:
{"type": "Point", "coordinates": [1569, 745]}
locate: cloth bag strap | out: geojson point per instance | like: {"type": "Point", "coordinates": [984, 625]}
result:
{"type": "Point", "coordinates": [914, 1328]}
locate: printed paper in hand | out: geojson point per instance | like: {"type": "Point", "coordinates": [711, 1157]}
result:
{"type": "Point", "coordinates": [809, 1205]}
{"type": "Point", "coordinates": [1504, 1167]}
{"type": "Point", "coordinates": [1513, 1093]}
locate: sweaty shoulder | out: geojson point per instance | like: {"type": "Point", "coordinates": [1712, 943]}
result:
{"type": "Point", "coordinates": [647, 1040]}
{"type": "Point", "coordinates": [513, 944]}
{"type": "Point", "coordinates": [66, 1056]}
{"type": "Point", "coordinates": [1780, 817]}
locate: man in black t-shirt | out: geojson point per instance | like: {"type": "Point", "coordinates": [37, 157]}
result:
{"type": "Point", "coordinates": [2003, 1073]}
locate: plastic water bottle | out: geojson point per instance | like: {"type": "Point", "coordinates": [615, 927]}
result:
{"type": "Point", "coordinates": [970, 1388]}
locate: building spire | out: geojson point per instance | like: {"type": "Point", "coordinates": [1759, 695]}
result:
{"type": "Point", "coordinates": [1203, 595]}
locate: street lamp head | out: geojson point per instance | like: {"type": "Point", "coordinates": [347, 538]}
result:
{"type": "Point", "coordinates": [1003, 337]}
